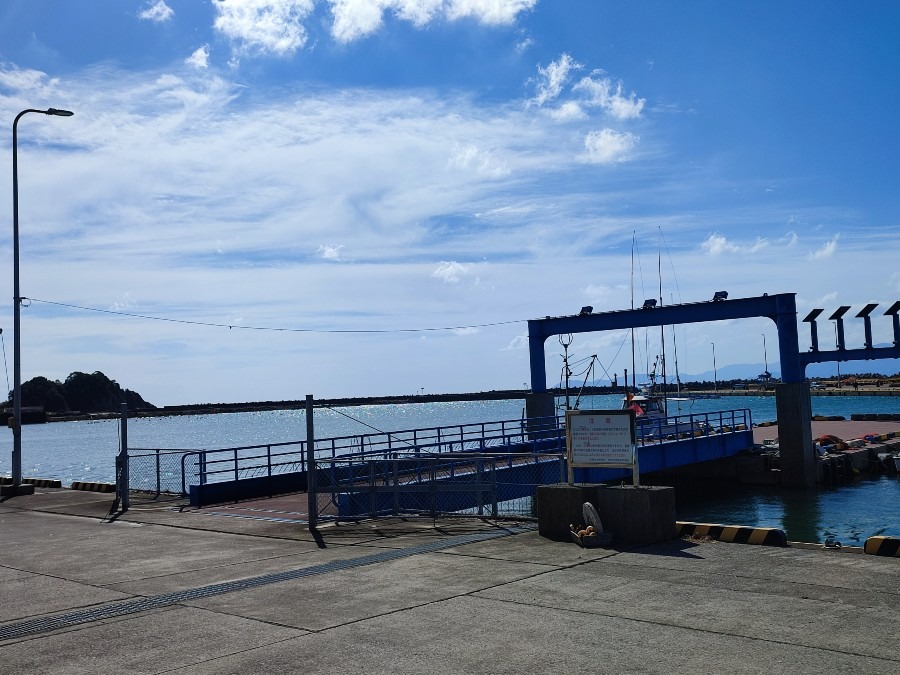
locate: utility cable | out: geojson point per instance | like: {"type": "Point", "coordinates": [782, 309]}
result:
{"type": "Point", "coordinates": [271, 328]}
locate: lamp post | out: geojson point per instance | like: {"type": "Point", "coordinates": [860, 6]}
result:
{"type": "Point", "coordinates": [715, 372]}
{"type": "Point", "coordinates": [17, 301]}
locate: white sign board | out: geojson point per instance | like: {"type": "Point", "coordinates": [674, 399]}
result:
{"type": "Point", "coordinates": [600, 438]}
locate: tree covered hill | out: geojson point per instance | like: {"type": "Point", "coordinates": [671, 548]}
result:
{"type": "Point", "coordinates": [81, 392]}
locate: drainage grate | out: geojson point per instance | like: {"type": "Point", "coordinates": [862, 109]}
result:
{"type": "Point", "coordinates": [113, 610]}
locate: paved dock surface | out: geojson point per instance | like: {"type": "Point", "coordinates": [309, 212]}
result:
{"type": "Point", "coordinates": [845, 429]}
{"type": "Point", "coordinates": [163, 590]}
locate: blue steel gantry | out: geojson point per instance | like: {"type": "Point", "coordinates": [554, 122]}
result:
{"type": "Point", "coordinates": [792, 394]}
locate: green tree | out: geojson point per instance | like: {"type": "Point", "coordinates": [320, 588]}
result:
{"type": "Point", "coordinates": [45, 393]}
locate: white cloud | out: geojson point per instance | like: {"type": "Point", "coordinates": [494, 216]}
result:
{"type": "Point", "coordinates": [331, 252]}
{"type": "Point", "coordinates": [717, 244]}
{"type": "Point", "coordinates": [826, 250]}
{"type": "Point", "coordinates": [199, 59]}
{"type": "Point", "coordinates": [451, 272]}
{"type": "Point", "coordinates": [488, 11]}
{"type": "Point", "coordinates": [467, 330]}
{"type": "Point", "coordinates": [35, 82]}
{"type": "Point", "coordinates": [264, 26]}
{"type": "Point", "coordinates": [355, 19]}
{"type": "Point", "coordinates": [519, 342]}
{"type": "Point", "coordinates": [474, 158]}
{"type": "Point", "coordinates": [601, 93]}
{"type": "Point", "coordinates": [158, 12]}
{"type": "Point", "coordinates": [525, 44]}
{"type": "Point", "coordinates": [609, 146]}
{"type": "Point", "coordinates": [568, 111]}
{"type": "Point", "coordinates": [553, 78]}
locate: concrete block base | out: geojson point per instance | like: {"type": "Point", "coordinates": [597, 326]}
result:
{"type": "Point", "coordinates": [559, 506]}
{"type": "Point", "coordinates": [16, 490]}
{"type": "Point", "coordinates": [637, 515]}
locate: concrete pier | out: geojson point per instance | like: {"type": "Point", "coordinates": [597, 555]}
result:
{"type": "Point", "coordinates": [193, 591]}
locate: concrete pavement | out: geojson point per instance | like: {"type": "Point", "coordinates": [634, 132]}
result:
{"type": "Point", "coordinates": [169, 590]}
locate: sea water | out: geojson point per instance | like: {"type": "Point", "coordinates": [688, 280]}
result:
{"type": "Point", "coordinates": [85, 451]}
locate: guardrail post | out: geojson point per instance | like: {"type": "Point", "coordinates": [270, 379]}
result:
{"type": "Point", "coordinates": [494, 488]}
{"type": "Point", "coordinates": [373, 496]}
{"type": "Point", "coordinates": [311, 494]}
{"type": "Point", "coordinates": [123, 487]}
{"type": "Point", "coordinates": [396, 486]}
{"type": "Point", "coordinates": [479, 471]}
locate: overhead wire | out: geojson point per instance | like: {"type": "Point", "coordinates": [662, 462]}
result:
{"type": "Point", "coordinates": [273, 328]}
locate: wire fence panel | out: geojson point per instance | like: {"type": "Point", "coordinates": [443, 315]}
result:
{"type": "Point", "coordinates": [480, 485]}
{"type": "Point", "coordinates": [161, 474]}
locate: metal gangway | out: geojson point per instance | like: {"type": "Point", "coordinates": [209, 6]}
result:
{"type": "Point", "coordinates": [478, 468]}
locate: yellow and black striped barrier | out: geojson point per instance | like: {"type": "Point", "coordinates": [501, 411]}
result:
{"type": "Point", "coordinates": [43, 482]}
{"type": "Point", "coordinates": [37, 482]}
{"type": "Point", "coordinates": [887, 546]}
{"type": "Point", "coordinates": [764, 536]}
{"type": "Point", "coordinates": [93, 487]}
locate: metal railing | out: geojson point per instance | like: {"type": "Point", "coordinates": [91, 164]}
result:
{"type": "Point", "coordinates": [512, 435]}
{"type": "Point", "coordinates": [157, 472]}
{"type": "Point", "coordinates": [410, 484]}
{"type": "Point", "coordinates": [657, 430]}
{"type": "Point", "coordinates": [172, 471]}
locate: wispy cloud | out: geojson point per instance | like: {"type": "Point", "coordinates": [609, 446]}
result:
{"type": "Point", "coordinates": [482, 161]}
{"type": "Point", "coordinates": [264, 26]}
{"type": "Point", "coordinates": [158, 12]}
{"type": "Point", "coordinates": [602, 93]}
{"type": "Point", "coordinates": [717, 244]}
{"type": "Point", "coordinates": [568, 111]}
{"type": "Point", "coordinates": [552, 78]}
{"type": "Point", "coordinates": [199, 59]}
{"type": "Point", "coordinates": [331, 251]}
{"type": "Point", "coordinates": [608, 146]}
{"type": "Point", "coordinates": [518, 343]}
{"type": "Point", "coordinates": [826, 250]}
{"type": "Point", "coordinates": [451, 272]}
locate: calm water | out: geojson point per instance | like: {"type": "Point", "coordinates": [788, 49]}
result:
{"type": "Point", "coordinates": [85, 451]}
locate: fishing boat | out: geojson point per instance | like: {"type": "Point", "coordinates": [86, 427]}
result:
{"type": "Point", "coordinates": [651, 415]}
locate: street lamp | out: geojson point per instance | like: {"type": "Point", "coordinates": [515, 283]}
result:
{"type": "Point", "coordinates": [17, 301]}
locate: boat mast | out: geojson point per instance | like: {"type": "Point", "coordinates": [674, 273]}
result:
{"type": "Point", "coordinates": [633, 368]}
{"type": "Point", "coordinates": [662, 332]}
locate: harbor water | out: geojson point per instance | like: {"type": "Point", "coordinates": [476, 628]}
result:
{"type": "Point", "coordinates": [85, 451]}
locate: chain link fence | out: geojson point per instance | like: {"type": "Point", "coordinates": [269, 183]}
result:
{"type": "Point", "coordinates": [161, 475]}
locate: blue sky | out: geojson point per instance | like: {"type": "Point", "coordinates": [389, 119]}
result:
{"type": "Point", "coordinates": [260, 199]}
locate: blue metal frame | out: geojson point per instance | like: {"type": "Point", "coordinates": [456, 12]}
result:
{"type": "Point", "coordinates": [780, 308]}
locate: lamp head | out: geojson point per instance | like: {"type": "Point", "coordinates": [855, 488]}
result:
{"type": "Point", "coordinates": [58, 112]}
